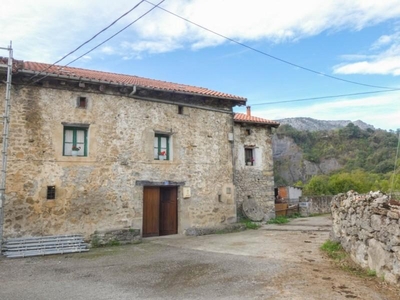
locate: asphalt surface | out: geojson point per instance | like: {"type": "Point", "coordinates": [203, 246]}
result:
{"type": "Point", "coordinates": [274, 262]}
{"type": "Point", "coordinates": [146, 271]}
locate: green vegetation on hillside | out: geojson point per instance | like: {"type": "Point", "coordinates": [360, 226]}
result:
{"type": "Point", "coordinates": [367, 157]}
{"type": "Point", "coordinates": [359, 180]}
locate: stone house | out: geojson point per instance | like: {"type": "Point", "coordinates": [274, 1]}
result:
{"type": "Point", "coordinates": [253, 163]}
{"type": "Point", "coordinates": [92, 150]}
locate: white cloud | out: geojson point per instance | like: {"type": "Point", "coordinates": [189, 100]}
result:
{"type": "Point", "coordinates": [383, 41]}
{"type": "Point", "coordinates": [380, 111]}
{"type": "Point", "coordinates": [107, 50]}
{"type": "Point", "coordinates": [43, 30]}
{"type": "Point", "coordinates": [387, 62]}
{"type": "Point", "coordinates": [150, 46]}
{"type": "Point", "coordinates": [277, 22]}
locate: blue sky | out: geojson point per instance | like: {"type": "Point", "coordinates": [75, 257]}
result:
{"type": "Point", "coordinates": [353, 40]}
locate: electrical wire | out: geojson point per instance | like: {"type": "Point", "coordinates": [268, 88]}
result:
{"type": "Point", "coordinates": [271, 56]}
{"type": "Point", "coordinates": [324, 97]}
{"type": "Point", "coordinates": [92, 38]}
{"type": "Point", "coordinates": [115, 34]}
{"type": "Point", "coordinates": [118, 32]}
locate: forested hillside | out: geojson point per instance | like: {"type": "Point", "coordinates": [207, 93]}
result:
{"type": "Point", "coordinates": [329, 162]}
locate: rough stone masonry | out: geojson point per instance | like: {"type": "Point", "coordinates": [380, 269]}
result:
{"type": "Point", "coordinates": [368, 228]}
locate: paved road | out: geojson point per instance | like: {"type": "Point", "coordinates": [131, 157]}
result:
{"type": "Point", "coordinates": [274, 262]}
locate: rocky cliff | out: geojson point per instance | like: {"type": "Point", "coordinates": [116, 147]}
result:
{"type": "Point", "coordinates": [290, 165]}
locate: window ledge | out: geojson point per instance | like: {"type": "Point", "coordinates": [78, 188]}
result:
{"type": "Point", "coordinates": [74, 159]}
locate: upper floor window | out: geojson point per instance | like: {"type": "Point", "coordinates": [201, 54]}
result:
{"type": "Point", "coordinates": [81, 102]}
{"type": "Point", "coordinates": [75, 141]}
{"type": "Point", "coordinates": [161, 147]}
{"type": "Point", "coordinates": [249, 156]}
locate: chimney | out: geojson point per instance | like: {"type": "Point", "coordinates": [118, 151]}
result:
{"type": "Point", "coordinates": [248, 111]}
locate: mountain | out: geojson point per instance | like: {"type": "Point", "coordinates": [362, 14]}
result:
{"type": "Point", "coordinates": [304, 147]}
{"type": "Point", "coordinates": [318, 125]}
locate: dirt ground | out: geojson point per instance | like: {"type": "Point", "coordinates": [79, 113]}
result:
{"type": "Point", "coordinates": [273, 262]}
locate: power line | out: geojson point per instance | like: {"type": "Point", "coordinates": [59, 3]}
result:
{"type": "Point", "coordinates": [324, 97]}
{"type": "Point", "coordinates": [83, 44]}
{"type": "Point", "coordinates": [269, 55]}
{"type": "Point", "coordinates": [118, 32]}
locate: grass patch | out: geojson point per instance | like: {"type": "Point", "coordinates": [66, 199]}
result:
{"type": "Point", "coordinates": [295, 216]}
{"type": "Point", "coordinates": [95, 242]}
{"type": "Point", "coordinates": [279, 220]}
{"type": "Point", "coordinates": [342, 259]}
{"type": "Point", "coordinates": [113, 243]}
{"type": "Point", "coordinates": [334, 250]}
{"type": "Point", "coordinates": [249, 224]}
{"type": "Point", "coordinates": [284, 219]}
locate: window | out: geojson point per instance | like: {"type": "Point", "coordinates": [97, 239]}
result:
{"type": "Point", "coordinates": [249, 156]}
{"type": "Point", "coordinates": [180, 109]}
{"type": "Point", "coordinates": [248, 131]}
{"type": "Point", "coordinates": [81, 102]}
{"type": "Point", "coordinates": [161, 147]}
{"type": "Point", "coordinates": [51, 192]}
{"type": "Point", "coordinates": [75, 137]}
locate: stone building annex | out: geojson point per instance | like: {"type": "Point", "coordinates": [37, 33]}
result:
{"type": "Point", "coordinates": [91, 150]}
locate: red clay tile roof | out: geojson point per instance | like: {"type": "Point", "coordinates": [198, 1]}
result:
{"type": "Point", "coordinates": [121, 79]}
{"type": "Point", "coordinates": [244, 118]}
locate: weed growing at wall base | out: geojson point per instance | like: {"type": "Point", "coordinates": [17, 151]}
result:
{"type": "Point", "coordinates": [335, 251]}
{"type": "Point", "coordinates": [250, 225]}
{"type": "Point", "coordinates": [279, 220]}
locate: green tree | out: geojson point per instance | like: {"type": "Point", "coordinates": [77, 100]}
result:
{"type": "Point", "coordinates": [318, 185]}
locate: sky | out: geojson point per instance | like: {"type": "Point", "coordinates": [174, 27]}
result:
{"type": "Point", "coordinates": [274, 53]}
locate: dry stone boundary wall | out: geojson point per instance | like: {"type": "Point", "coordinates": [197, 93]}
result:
{"type": "Point", "coordinates": [368, 227]}
{"type": "Point", "coordinates": [310, 205]}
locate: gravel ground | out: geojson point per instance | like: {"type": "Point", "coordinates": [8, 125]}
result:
{"type": "Point", "coordinates": [274, 262]}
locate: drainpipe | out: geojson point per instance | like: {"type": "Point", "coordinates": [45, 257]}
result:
{"type": "Point", "coordinates": [133, 91]}
{"type": "Point", "coordinates": [234, 162]}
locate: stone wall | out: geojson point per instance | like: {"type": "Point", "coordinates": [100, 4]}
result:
{"type": "Point", "coordinates": [315, 205]}
{"type": "Point", "coordinates": [368, 228]}
{"type": "Point", "coordinates": [100, 191]}
{"type": "Point", "coordinates": [255, 181]}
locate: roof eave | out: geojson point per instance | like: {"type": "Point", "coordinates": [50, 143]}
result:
{"type": "Point", "coordinates": [239, 101]}
{"type": "Point", "coordinates": [276, 125]}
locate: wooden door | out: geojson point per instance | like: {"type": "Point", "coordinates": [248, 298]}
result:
{"type": "Point", "coordinates": [168, 210]}
{"type": "Point", "coordinates": [151, 211]}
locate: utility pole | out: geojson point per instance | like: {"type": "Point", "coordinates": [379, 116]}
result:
{"type": "Point", "coordinates": [6, 124]}
{"type": "Point", "coordinates": [395, 165]}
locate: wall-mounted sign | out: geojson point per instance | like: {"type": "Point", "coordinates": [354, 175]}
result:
{"type": "Point", "coordinates": [186, 192]}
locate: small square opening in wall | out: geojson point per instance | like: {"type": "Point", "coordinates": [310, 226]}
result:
{"type": "Point", "coordinates": [51, 192]}
{"type": "Point", "coordinates": [248, 131]}
{"type": "Point", "coordinates": [180, 109]}
{"type": "Point", "coordinates": [81, 102]}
